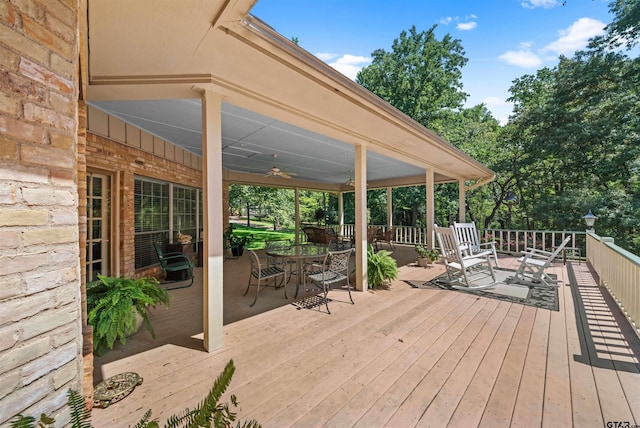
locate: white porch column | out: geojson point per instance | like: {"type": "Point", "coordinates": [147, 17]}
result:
{"type": "Point", "coordinates": [430, 209]}
{"type": "Point", "coordinates": [212, 214]}
{"type": "Point", "coordinates": [297, 214]}
{"type": "Point", "coordinates": [389, 207]}
{"type": "Point", "coordinates": [341, 212]}
{"type": "Point", "coordinates": [361, 217]}
{"type": "Point", "coordinates": [461, 201]}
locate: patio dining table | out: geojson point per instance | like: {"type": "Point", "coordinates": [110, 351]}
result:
{"type": "Point", "coordinates": [299, 253]}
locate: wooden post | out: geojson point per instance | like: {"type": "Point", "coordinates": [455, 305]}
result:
{"type": "Point", "coordinates": [212, 278]}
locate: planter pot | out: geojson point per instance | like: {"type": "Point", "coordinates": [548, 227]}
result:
{"type": "Point", "coordinates": [423, 261]}
{"type": "Point", "coordinates": [237, 251]}
{"type": "Point", "coordinates": [139, 321]}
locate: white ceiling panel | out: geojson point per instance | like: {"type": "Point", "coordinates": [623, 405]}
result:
{"type": "Point", "coordinates": [250, 140]}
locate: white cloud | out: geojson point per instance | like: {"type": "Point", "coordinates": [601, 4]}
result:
{"type": "Point", "coordinates": [347, 64]}
{"type": "Point", "coordinates": [472, 16]}
{"type": "Point", "coordinates": [466, 26]}
{"type": "Point", "coordinates": [446, 21]}
{"type": "Point", "coordinates": [494, 101]}
{"type": "Point", "coordinates": [326, 56]}
{"type": "Point", "coordinates": [576, 36]}
{"type": "Point", "coordinates": [499, 108]}
{"type": "Point", "coordinates": [522, 58]}
{"type": "Point", "coordinates": [532, 4]}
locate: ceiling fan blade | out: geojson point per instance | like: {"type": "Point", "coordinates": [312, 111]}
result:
{"type": "Point", "coordinates": [284, 175]}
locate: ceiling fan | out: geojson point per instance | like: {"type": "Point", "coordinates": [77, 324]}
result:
{"type": "Point", "coordinates": [350, 182]}
{"type": "Point", "coordinates": [274, 171]}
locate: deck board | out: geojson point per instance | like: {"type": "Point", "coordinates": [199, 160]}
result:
{"type": "Point", "coordinates": [474, 402]}
{"type": "Point", "coordinates": [500, 406]}
{"type": "Point", "coordinates": [607, 354]}
{"type": "Point", "coordinates": [528, 406]}
{"type": "Point", "coordinates": [557, 394]}
{"type": "Point", "coordinates": [414, 364]}
{"type": "Point", "coordinates": [401, 356]}
{"type": "Point", "coordinates": [583, 387]}
{"type": "Point", "coordinates": [445, 402]}
{"type": "Point", "coordinates": [412, 411]}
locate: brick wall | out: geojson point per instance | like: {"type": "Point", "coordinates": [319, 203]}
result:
{"type": "Point", "coordinates": [40, 315]}
{"type": "Point", "coordinates": [116, 158]}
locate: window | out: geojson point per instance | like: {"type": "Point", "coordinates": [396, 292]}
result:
{"type": "Point", "coordinates": [161, 211]}
{"type": "Point", "coordinates": [98, 225]}
{"type": "Point", "coordinates": [151, 205]}
{"type": "Point", "coordinates": [185, 211]}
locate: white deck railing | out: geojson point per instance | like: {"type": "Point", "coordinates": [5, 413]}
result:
{"type": "Point", "coordinates": [618, 269]}
{"type": "Point", "coordinates": [619, 272]}
{"type": "Point", "coordinates": [507, 241]}
{"type": "Point", "coordinates": [517, 241]}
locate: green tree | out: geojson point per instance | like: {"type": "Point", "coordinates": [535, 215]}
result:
{"type": "Point", "coordinates": [274, 204]}
{"type": "Point", "coordinates": [624, 29]}
{"type": "Point", "coordinates": [579, 128]}
{"type": "Point", "coordinates": [421, 76]}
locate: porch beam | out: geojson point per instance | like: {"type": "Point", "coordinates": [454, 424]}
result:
{"type": "Point", "coordinates": [297, 215]}
{"type": "Point", "coordinates": [341, 212]}
{"type": "Point", "coordinates": [361, 217]}
{"type": "Point", "coordinates": [212, 275]}
{"type": "Point", "coordinates": [389, 207]}
{"type": "Point", "coordinates": [461, 202]}
{"type": "Point", "coordinates": [430, 209]}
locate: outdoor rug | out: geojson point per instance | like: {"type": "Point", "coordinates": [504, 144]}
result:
{"type": "Point", "coordinates": [504, 289]}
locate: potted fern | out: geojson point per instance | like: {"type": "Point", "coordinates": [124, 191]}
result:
{"type": "Point", "coordinates": [113, 304]}
{"type": "Point", "coordinates": [381, 267]}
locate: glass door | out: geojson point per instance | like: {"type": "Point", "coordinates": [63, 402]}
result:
{"type": "Point", "coordinates": [98, 225]}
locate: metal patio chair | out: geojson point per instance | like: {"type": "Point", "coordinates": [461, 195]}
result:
{"type": "Point", "coordinates": [266, 273]}
{"type": "Point", "coordinates": [332, 271]}
{"type": "Point", "coordinates": [175, 263]}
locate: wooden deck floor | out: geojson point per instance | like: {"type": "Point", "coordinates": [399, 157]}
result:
{"type": "Point", "coordinates": [399, 357]}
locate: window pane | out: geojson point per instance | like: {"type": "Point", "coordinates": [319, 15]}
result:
{"type": "Point", "coordinates": [151, 205]}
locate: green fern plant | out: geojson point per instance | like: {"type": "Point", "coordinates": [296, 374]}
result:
{"type": "Point", "coordinates": [80, 415]}
{"type": "Point", "coordinates": [209, 413]}
{"type": "Point", "coordinates": [381, 267]}
{"type": "Point", "coordinates": [112, 304]}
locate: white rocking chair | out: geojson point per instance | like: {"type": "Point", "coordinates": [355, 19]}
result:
{"type": "Point", "coordinates": [533, 263]}
{"type": "Point", "coordinates": [470, 240]}
{"type": "Point", "coordinates": [463, 267]}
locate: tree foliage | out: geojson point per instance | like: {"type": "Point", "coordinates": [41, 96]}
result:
{"type": "Point", "coordinates": [421, 76]}
{"type": "Point", "coordinates": [572, 143]}
{"type": "Point", "coordinates": [578, 126]}
{"type": "Point", "coordinates": [624, 29]}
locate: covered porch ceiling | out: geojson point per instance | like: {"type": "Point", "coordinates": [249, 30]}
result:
{"type": "Point", "coordinates": [149, 63]}
{"type": "Point", "coordinates": [249, 141]}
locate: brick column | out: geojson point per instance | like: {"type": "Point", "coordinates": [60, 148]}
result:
{"type": "Point", "coordinates": [40, 276]}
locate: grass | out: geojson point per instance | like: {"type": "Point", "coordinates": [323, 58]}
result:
{"type": "Point", "coordinates": [258, 235]}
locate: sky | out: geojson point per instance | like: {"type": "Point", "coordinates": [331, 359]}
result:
{"type": "Point", "coordinates": [503, 39]}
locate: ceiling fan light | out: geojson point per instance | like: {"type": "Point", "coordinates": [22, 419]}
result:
{"type": "Point", "coordinates": [350, 182]}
